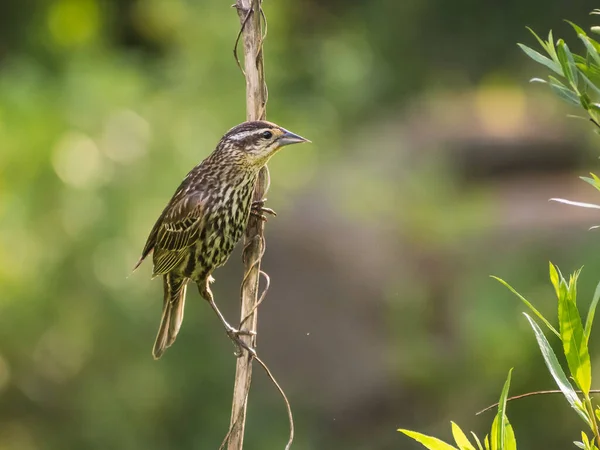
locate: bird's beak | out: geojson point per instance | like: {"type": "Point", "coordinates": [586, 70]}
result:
{"type": "Point", "coordinates": [289, 138]}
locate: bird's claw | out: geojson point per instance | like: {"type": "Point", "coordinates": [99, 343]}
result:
{"type": "Point", "coordinates": [259, 211]}
{"type": "Point", "coordinates": [240, 345]}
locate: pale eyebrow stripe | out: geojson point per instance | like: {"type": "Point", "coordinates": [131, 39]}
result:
{"type": "Point", "coordinates": [244, 134]}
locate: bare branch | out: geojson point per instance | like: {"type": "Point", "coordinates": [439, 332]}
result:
{"type": "Point", "coordinates": [531, 394]}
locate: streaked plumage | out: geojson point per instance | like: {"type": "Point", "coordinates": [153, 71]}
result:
{"type": "Point", "coordinates": [206, 217]}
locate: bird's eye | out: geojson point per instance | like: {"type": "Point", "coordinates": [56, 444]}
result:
{"type": "Point", "coordinates": [267, 135]}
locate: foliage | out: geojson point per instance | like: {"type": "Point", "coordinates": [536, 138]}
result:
{"type": "Point", "coordinates": [578, 83]}
{"type": "Point", "coordinates": [574, 336]}
{"type": "Point", "coordinates": [501, 437]}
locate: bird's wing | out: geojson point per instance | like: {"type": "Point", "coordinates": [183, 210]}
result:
{"type": "Point", "coordinates": [175, 230]}
{"type": "Point", "coordinates": [179, 229]}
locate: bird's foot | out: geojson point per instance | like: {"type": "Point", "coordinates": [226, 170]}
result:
{"type": "Point", "coordinates": [259, 211]}
{"type": "Point", "coordinates": [235, 336]}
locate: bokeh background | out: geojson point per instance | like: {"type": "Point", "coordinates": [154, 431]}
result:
{"type": "Point", "coordinates": [432, 165]}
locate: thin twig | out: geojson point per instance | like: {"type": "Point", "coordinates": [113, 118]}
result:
{"type": "Point", "coordinates": [531, 394]}
{"type": "Point", "coordinates": [263, 295]}
{"type": "Point", "coordinates": [285, 399]}
{"type": "Point", "coordinates": [237, 41]}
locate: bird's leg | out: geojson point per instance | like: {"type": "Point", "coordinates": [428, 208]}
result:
{"type": "Point", "coordinates": [258, 210]}
{"type": "Point", "coordinates": [233, 333]}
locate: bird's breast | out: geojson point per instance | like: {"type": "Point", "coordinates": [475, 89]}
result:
{"type": "Point", "coordinates": [225, 222]}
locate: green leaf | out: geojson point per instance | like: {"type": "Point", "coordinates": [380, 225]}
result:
{"type": "Point", "coordinates": [565, 58]}
{"type": "Point", "coordinates": [572, 336]}
{"type": "Point", "coordinates": [529, 305]}
{"type": "Point", "coordinates": [486, 442]}
{"type": "Point", "coordinates": [584, 440]}
{"type": "Point", "coordinates": [428, 441]}
{"type": "Point", "coordinates": [550, 47]}
{"type": "Point", "coordinates": [543, 44]}
{"type": "Point", "coordinates": [510, 442]}
{"type": "Point", "coordinates": [591, 312]}
{"type": "Point", "coordinates": [563, 91]}
{"type": "Point", "coordinates": [554, 279]}
{"type": "Point", "coordinates": [577, 29]}
{"type": "Point", "coordinates": [556, 370]}
{"type": "Point", "coordinates": [541, 59]}
{"type": "Point", "coordinates": [591, 49]}
{"type": "Point", "coordinates": [573, 280]}
{"type": "Point", "coordinates": [591, 85]}
{"type": "Point", "coordinates": [495, 435]}
{"type": "Point", "coordinates": [594, 181]}
{"type": "Point", "coordinates": [499, 425]}
{"type": "Point", "coordinates": [459, 437]}
{"type": "Point", "coordinates": [479, 446]}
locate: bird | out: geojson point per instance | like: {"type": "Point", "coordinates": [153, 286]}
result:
{"type": "Point", "coordinates": [206, 217]}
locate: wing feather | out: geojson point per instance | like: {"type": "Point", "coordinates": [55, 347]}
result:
{"type": "Point", "coordinates": [175, 231]}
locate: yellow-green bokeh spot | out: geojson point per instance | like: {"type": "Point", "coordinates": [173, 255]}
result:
{"type": "Point", "coordinates": [73, 22]}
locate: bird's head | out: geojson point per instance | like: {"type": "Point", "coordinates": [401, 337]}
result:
{"type": "Point", "coordinates": [254, 143]}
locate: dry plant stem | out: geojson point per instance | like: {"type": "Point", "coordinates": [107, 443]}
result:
{"type": "Point", "coordinates": [249, 12]}
{"type": "Point", "coordinates": [590, 410]}
{"type": "Point", "coordinates": [531, 394]}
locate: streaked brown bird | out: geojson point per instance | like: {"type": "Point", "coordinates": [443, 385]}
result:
{"type": "Point", "coordinates": [205, 219]}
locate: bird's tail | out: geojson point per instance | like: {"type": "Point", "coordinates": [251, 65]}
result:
{"type": "Point", "coordinates": [172, 315]}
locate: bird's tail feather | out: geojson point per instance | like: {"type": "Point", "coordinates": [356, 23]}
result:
{"type": "Point", "coordinates": [172, 316]}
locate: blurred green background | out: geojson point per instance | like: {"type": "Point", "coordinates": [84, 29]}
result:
{"type": "Point", "coordinates": [432, 163]}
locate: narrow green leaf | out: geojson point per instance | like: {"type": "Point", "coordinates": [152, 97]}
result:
{"type": "Point", "coordinates": [591, 49]}
{"type": "Point", "coordinates": [591, 85]}
{"type": "Point", "coordinates": [554, 279]}
{"type": "Point", "coordinates": [556, 370]}
{"type": "Point", "coordinates": [529, 305]}
{"type": "Point", "coordinates": [428, 441]}
{"type": "Point", "coordinates": [479, 446]}
{"type": "Point", "coordinates": [565, 58]}
{"type": "Point", "coordinates": [543, 44]}
{"type": "Point", "coordinates": [577, 29]}
{"type": "Point", "coordinates": [487, 442]}
{"type": "Point", "coordinates": [573, 280]}
{"type": "Point", "coordinates": [594, 181]}
{"type": "Point", "coordinates": [572, 66]}
{"type": "Point", "coordinates": [594, 43]}
{"type": "Point", "coordinates": [591, 312]}
{"type": "Point", "coordinates": [541, 59]}
{"type": "Point", "coordinates": [572, 335]}
{"type": "Point", "coordinates": [495, 435]}
{"type": "Point", "coordinates": [459, 437]}
{"type": "Point", "coordinates": [584, 99]}
{"type": "Point", "coordinates": [584, 440]}
{"type": "Point", "coordinates": [563, 91]}
{"type": "Point", "coordinates": [551, 49]}
{"type": "Point", "coordinates": [510, 441]}
{"type": "Point", "coordinates": [499, 425]}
